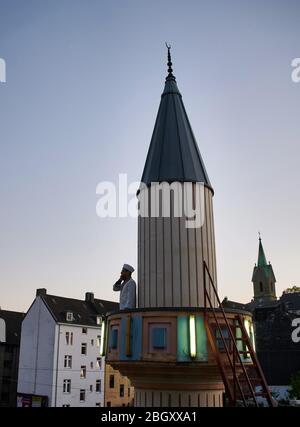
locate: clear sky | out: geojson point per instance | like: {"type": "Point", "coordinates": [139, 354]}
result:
{"type": "Point", "coordinates": [84, 80]}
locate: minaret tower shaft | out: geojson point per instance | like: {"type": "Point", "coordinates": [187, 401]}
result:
{"type": "Point", "coordinates": [171, 255]}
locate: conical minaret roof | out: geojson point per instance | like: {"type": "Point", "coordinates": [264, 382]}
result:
{"type": "Point", "coordinates": [173, 153]}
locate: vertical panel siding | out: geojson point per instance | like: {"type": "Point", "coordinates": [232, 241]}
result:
{"type": "Point", "coordinates": [171, 259]}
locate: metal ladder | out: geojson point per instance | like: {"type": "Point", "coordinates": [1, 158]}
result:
{"type": "Point", "coordinates": [239, 376]}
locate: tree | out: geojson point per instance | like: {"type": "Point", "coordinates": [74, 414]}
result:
{"type": "Point", "coordinates": [294, 392]}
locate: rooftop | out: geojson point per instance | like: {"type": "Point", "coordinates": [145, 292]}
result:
{"type": "Point", "coordinates": [85, 312]}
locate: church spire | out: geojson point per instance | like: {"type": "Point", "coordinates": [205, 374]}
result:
{"type": "Point", "coordinates": [262, 261]}
{"type": "Point", "coordinates": [263, 278]}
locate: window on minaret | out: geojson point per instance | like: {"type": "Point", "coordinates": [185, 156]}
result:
{"type": "Point", "coordinates": [271, 285]}
{"type": "Point", "coordinates": [261, 288]}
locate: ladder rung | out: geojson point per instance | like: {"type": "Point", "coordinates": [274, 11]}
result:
{"type": "Point", "coordinates": [256, 394]}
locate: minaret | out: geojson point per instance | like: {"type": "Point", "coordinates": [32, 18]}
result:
{"type": "Point", "coordinates": [263, 278]}
{"type": "Point", "coordinates": [170, 255]}
{"type": "Point", "coordinates": [171, 345]}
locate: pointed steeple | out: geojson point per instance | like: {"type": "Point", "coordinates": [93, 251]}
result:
{"type": "Point", "coordinates": [263, 277]}
{"type": "Point", "coordinates": [262, 261]}
{"type": "Point", "coordinates": [173, 153]}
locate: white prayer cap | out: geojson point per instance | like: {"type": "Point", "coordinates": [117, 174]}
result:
{"type": "Point", "coordinates": [128, 268]}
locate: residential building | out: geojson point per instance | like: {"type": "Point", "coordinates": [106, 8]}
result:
{"type": "Point", "coordinates": [60, 350]}
{"type": "Point", "coordinates": [118, 389]}
{"type": "Point", "coordinates": [10, 332]}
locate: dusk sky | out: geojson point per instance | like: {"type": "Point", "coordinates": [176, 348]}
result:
{"type": "Point", "coordinates": [84, 80]}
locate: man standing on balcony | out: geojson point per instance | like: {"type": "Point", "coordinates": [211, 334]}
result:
{"type": "Point", "coordinates": [127, 286]}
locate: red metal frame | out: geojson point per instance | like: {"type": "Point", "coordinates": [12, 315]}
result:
{"type": "Point", "coordinates": [238, 371]}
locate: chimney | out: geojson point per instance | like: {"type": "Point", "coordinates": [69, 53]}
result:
{"type": "Point", "coordinates": [41, 291]}
{"type": "Point", "coordinates": [89, 297]}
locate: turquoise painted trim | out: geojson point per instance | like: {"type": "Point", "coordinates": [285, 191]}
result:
{"type": "Point", "coordinates": [201, 339]}
{"type": "Point", "coordinates": [136, 339]}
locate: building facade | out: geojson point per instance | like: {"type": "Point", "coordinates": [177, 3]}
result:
{"type": "Point", "coordinates": [59, 351]}
{"type": "Point", "coordinates": [10, 333]}
{"type": "Point", "coordinates": [117, 390]}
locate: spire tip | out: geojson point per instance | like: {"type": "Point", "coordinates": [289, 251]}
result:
{"type": "Point", "coordinates": [170, 70]}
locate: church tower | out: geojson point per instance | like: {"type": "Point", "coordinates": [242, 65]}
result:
{"type": "Point", "coordinates": [263, 278]}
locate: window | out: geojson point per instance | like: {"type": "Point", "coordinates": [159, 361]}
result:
{"type": "Point", "coordinates": [67, 386]}
{"type": "Point", "coordinates": [99, 320]}
{"type": "Point", "coordinates": [108, 404]}
{"type": "Point", "coordinates": [227, 339]}
{"type": "Point", "coordinates": [261, 288]}
{"type": "Point", "coordinates": [68, 362]}
{"type": "Point", "coordinates": [99, 362]}
{"type": "Point", "coordinates": [91, 387]}
{"type": "Point", "coordinates": [128, 391]}
{"type": "Point", "coordinates": [83, 372]}
{"type": "Point", "coordinates": [92, 342]}
{"type": "Point", "coordinates": [121, 390]}
{"type": "Point", "coordinates": [114, 338]}
{"type": "Point", "coordinates": [98, 340]}
{"type": "Point", "coordinates": [92, 365]}
{"type": "Point", "coordinates": [69, 338]}
{"type": "Point", "coordinates": [98, 403]}
{"type": "Point", "coordinates": [98, 386]}
{"type": "Point", "coordinates": [159, 338]}
{"type": "Point", "coordinates": [69, 316]}
{"type": "Point", "coordinates": [66, 405]}
{"type": "Point", "coordinates": [82, 396]}
{"type": "Point", "coordinates": [111, 381]}
{"type": "Point", "coordinates": [83, 348]}
{"type": "Point", "coordinates": [84, 330]}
